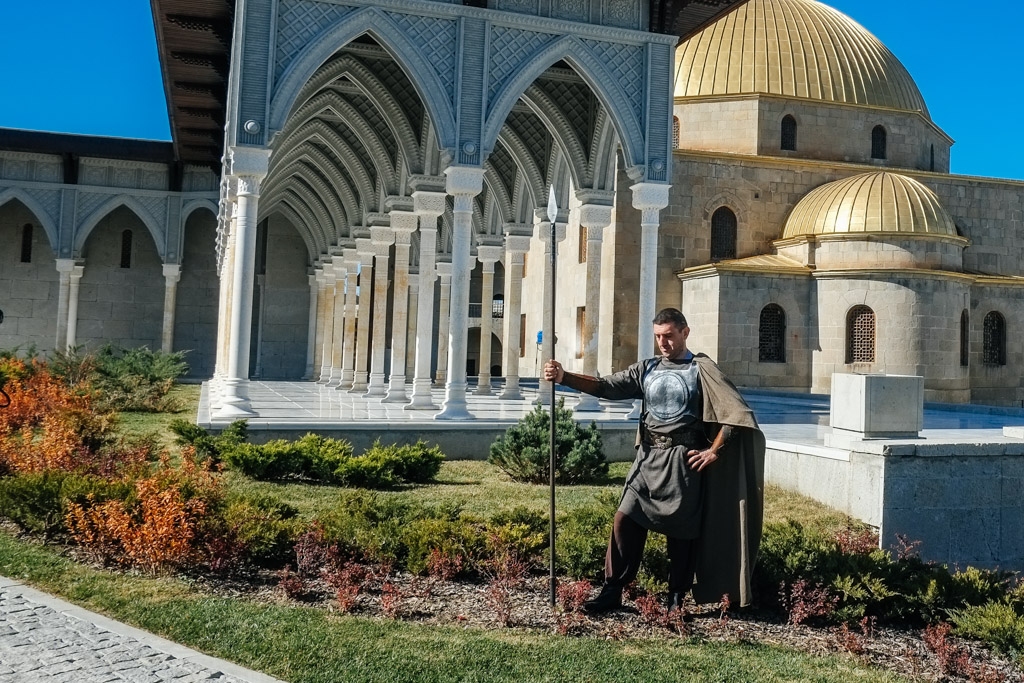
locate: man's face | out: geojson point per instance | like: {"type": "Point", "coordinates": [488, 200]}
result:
{"type": "Point", "coordinates": [671, 340]}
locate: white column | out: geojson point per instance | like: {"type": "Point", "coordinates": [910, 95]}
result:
{"type": "Point", "coordinates": [595, 218]}
{"type": "Point", "coordinates": [226, 278]}
{"type": "Point", "coordinates": [249, 165]}
{"type": "Point", "coordinates": [488, 256]}
{"type": "Point", "coordinates": [463, 183]}
{"type": "Point", "coordinates": [172, 274]}
{"type": "Point", "coordinates": [428, 206]}
{"type": "Point", "coordinates": [515, 247]}
{"type": "Point", "coordinates": [73, 289]}
{"type": "Point", "coordinates": [650, 199]}
{"type": "Point", "coordinates": [410, 328]}
{"type": "Point", "coordinates": [444, 274]}
{"type": "Point", "coordinates": [349, 347]}
{"type": "Point", "coordinates": [403, 223]}
{"type": "Point", "coordinates": [314, 298]}
{"type": "Point", "coordinates": [360, 377]}
{"type": "Point", "coordinates": [327, 325]}
{"type": "Point", "coordinates": [64, 268]}
{"type": "Point", "coordinates": [338, 329]}
{"type": "Point", "coordinates": [261, 289]}
{"type": "Point", "coordinates": [548, 335]}
{"type": "Point", "coordinates": [382, 238]}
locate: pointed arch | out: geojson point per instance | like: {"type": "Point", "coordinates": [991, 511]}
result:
{"type": "Point", "coordinates": [42, 217]}
{"type": "Point", "coordinates": [590, 68]}
{"type": "Point", "coordinates": [309, 154]}
{"type": "Point", "coordinates": [130, 203]}
{"type": "Point", "coordinates": [528, 169]}
{"type": "Point", "coordinates": [402, 49]}
{"type": "Point", "coordinates": [297, 225]}
{"type": "Point", "coordinates": [195, 205]}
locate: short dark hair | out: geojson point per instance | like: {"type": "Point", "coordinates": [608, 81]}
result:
{"type": "Point", "coordinates": [670, 315]}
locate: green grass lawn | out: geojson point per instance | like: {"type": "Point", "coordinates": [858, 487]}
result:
{"type": "Point", "coordinates": [304, 644]}
{"type": "Point", "coordinates": [310, 644]}
{"type": "Point", "coordinates": [139, 424]}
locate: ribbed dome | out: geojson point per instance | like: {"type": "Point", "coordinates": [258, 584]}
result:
{"type": "Point", "coordinates": [799, 48]}
{"type": "Point", "coordinates": [870, 202]}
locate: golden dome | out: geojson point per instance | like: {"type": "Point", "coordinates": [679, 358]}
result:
{"type": "Point", "coordinates": [870, 202]}
{"type": "Point", "coordinates": [799, 48]}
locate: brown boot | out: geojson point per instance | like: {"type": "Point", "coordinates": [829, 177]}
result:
{"type": "Point", "coordinates": [610, 598]}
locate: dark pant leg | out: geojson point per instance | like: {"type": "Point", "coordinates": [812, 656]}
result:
{"type": "Point", "coordinates": [625, 551]}
{"type": "Point", "coordinates": [682, 557]}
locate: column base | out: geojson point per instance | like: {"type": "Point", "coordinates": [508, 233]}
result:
{"type": "Point", "coordinates": [325, 376]}
{"type": "Point", "coordinates": [637, 409]}
{"type": "Point", "coordinates": [376, 388]}
{"type": "Point", "coordinates": [455, 407]}
{"type": "Point", "coordinates": [588, 404]}
{"type": "Point", "coordinates": [346, 380]}
{"type": "Point", "coordinates": [511, 392]}
{"type": "Point", "coordinates": [543, 394]}
{"type": "Point", "coordinates": [396, 390]}
{"type": "Point", "coordinates": [234, 402]}
{"type": "Point", "coordinates": [483, 385]}
{"type": "Point", "coordinates": [359, 383]}
{"type": "Point", "coordinates": [335, 380]}
{"type": "Point", "coordinates": [422, 399]}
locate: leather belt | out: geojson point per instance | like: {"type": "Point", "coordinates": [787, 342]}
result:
{"type": "Point", "coordinates": [690, 438]}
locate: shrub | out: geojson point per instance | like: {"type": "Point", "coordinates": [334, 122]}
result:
{"type": "Point", "coordinates": [32, 500]}
{"type": "Point", "coordinates": [996, 623]}
{"type": "Point", "coordinates": [583, 537]}
{"type": "Point", "coordinates": [264, 527]}
{"type": "Point", "coordinates": [273, 460]}
{"type": "Point", "coordinates": [523, 452]}
{"type": "Point", "coordinates": [136, 379]}
{"type": "Point", "coordinates": [451, 537]}
{"type": "Point", "coordinates": [206, 445]}
{"type": "Point", "coordinates": [387, 466]}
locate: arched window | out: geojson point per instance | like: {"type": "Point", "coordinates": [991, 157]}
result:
{"type": "Point", "coordinates": [498, 306]}
{"type": "Point", "coordinates": [675, 132]}
{"type": "Point", "coordinates": [965, 337]}
{"type": "Point", "coordinates": [878, 142]}
{"type": "Point", "coordinates": [26, 243]}
{"type": "Point", "coordinates": [860, 335]}
{"type": "Point", "coordinates": [771, 335]}
{"type": "Point", "coordinates": [994, 340]}
{"type": "Point", "coordinates": [788, 133]}
{"type": "Point", "coordinates": [723, 234]}
{"type": "Point", "coordinates": [126, 249]}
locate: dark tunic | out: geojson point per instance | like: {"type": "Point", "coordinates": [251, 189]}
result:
{"type": "Point", "coordinates": [662, 493]}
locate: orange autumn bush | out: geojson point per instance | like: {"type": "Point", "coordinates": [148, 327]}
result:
{"type": "Point", "coordinates": [160, 527]}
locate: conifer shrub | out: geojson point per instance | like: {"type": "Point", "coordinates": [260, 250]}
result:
{"type": "Point", "coordinates": [999, 623]}
{"type": "Point", "coordinates": [136, 379]}
{"type": "Point", "coordinates": [524, 450]}
{"type": "Point", "coordinates": [206, 445]}
{"type": "Point", "coordinates": [262, 527]}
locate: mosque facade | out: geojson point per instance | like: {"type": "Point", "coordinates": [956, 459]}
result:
{"type": "Point", "coordinates": [357, 193]}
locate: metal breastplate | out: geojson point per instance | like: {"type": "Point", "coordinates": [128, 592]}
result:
{"type": "Point", "coordinates": [673, 394]}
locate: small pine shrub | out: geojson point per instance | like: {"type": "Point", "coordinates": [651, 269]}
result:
{"type": "Point", "coordinates": [206, 445]}
{"type": "Point", "coordinates": [583, 537]}
{"type": "Point", "coordinates": [523, 452]}
{"type": "Point", "coordinates": [451, 537]}
{"type": "Point", "coordinates": [138, 379]}
{"type": "Point", "coordinates": [996, 623]}
{"type": "Point", "coordinates": [275, 459]}
{"type": "Point", "coordinates": [264, 527]}
{"type": "Point", "coordinates": [32, 500]}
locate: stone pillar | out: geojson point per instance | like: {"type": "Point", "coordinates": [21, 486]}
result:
{"type": "Point", "coordinates": [488, 256]}
{"type": "Point", "coordinates": [314, 299]}
{"type": "Point", "coordinates": [338, 329]}
{"type": "Point", "coordinates": [226, 279]}
{"type": "Point", "coordinates": [261, 289]}
{"type": "Point", "coordinates": [249, 165]}
{"type": "Point", "coordinates": [548, 335]}
{"type": "Point", "coordinates": [410, 328]}
{"type": "Point", "coordinates": [349, 345]}
{"type": "Point", "coordinates": [172, 274]}
{"type": "Point", "coordinates": [73, 289]}
{"type": "Point", "coordinates": [463, 183]}
{"type": "Point", "coordinates": [64, 268]}
{"type": "Point", "coordinates": [649, 199]}
{"type": "Point", "coordinates": [515, 247]}
{"type": "Point", "coordinates": [444, 274]}
{"type": "Point", "coordinates": [382, 238]}
{"type": "Point", "coordinates": [428, 207]}
{"type": "Point", "coordinates": [327, 325]}
{"type": "Point", "coordinates": [360, 374]}
{"type": "Point", "coordinates": [595, 218]}
{"type": "Point", "coordinates": [403, 223]}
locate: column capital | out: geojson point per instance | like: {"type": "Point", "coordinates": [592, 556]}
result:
{"type": "Point", "coordinates": [464, 180]}
{"type": "Point", "coordinates": [544, 231]}
{"type": "Point", "coordinates": [444, 268]}
{"type": "Point", "coordinates": [650, 196]}
{"type": "Point", "coordinates": [488, 255]}
{"type": "Point", "coordinates": [351, 257]}
{"type": "Point", "coordinates": [381, 236]}
{"type": "Point", "coordinates": [404, 223]}
{"type": "Point", "coordinates": [314, 279]}
{"type": "Point", "coordinates": [64, 265]}
{"type": "Point", "coordinates": [429, 204]}
{"type": "Point", "coordinates": [172, 272]}
{"type": "Point", "coordinates": [364, 248]}
{"type": "Point", "coordinates": [595, 217]}
{"type": "Point", "coordinates": [517, 244]}
{"type": "Point", "coordinates": [249, 165]}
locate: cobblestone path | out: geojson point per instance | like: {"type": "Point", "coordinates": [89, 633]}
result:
{"type": "Point", "coordinates": [46, 640]}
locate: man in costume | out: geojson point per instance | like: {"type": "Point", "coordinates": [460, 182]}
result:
{"type": "Point", "coordinates": [698, 476]}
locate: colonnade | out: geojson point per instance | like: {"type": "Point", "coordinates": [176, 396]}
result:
{"type": "Point", "coordinates": [350, 302]}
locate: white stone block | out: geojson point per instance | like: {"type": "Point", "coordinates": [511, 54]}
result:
{"type": "Point", "coordinates": [877, 406]}
{"type": "Point", "coordinates": [1013, 432]}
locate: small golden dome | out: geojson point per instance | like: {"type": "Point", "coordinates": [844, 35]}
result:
{"type": "Point", "coordinates": [870, 202]}
{"type": "Point", "coordinates": [798, 48]}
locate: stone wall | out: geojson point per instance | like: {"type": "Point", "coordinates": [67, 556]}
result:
{"type": "Point", "coordinates": [998, 384]}
{"type": "Point", "coordinates": [28, 291]}
{"type": "Point", "coordinates": [195, 318]}
{"type": "Point", "coordinates": [866, 251]}
{"type": "Point", "coordinates": [281, 333]}
{"type": "Point", "coordinates": [718, 124]}
{"type": "Point", "coordinates": [123, 306]}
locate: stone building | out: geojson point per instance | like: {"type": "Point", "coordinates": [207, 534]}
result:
{"type": "Point", "coordinates": [356, 194]}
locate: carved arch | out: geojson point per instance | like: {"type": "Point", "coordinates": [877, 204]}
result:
{"type": "Point", "coordinates": [298, 225]}
{"type": "Point", "coordinates": [197, 204]}
{"type": "Point", "coordinates": [133, 205]}
{"type": "Point", "coordinates": [44, 219]}
{"type": "Point", "coordinates": [564, 136]}
{"type": "Point", "coordinates": [311, 155]}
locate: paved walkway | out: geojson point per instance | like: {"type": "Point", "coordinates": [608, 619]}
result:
{"type": "Point", "coordinates": [46, 640]}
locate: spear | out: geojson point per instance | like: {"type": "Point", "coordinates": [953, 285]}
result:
{"type": "Point", "coordinates": [552, 214]}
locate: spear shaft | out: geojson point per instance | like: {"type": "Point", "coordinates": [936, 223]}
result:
{"type": "Point", "coordinates": [552, 215]}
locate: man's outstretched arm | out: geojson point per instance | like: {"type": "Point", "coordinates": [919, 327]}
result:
{"type": "Point", "coordinates": [616, 387]}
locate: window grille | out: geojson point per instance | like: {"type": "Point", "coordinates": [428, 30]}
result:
{"type": "Point", "coordinates": [583, 244]}
{"type": "Point", "coordinates": [860, 335]}
{"type": "Point", "coordinates": [498, 306]}
{"type": "Point", "coordinates": [878, 142]}
{"type": "Point", "coordinates": [675, 132]}
{"type": "Point", "coordinates": [581, 321]}
{"type": "Point", "coordinates": [964, 338]}
{"type": "Point", "coordinates": [771, 344]}
{"type": "Point", "coordinates": [26, 243]}
{"type": "Point", "coordinates": [723, 234]}
{"type": "Point", "coordinates": [788, 133]}
{"type": "Point", "coordinates": [126, 249]}
{"type": "Point", "coordinates": [994, 341]}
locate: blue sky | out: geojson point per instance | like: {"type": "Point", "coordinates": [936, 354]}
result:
{"type": "Point", "coordinates": [67, 67]}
